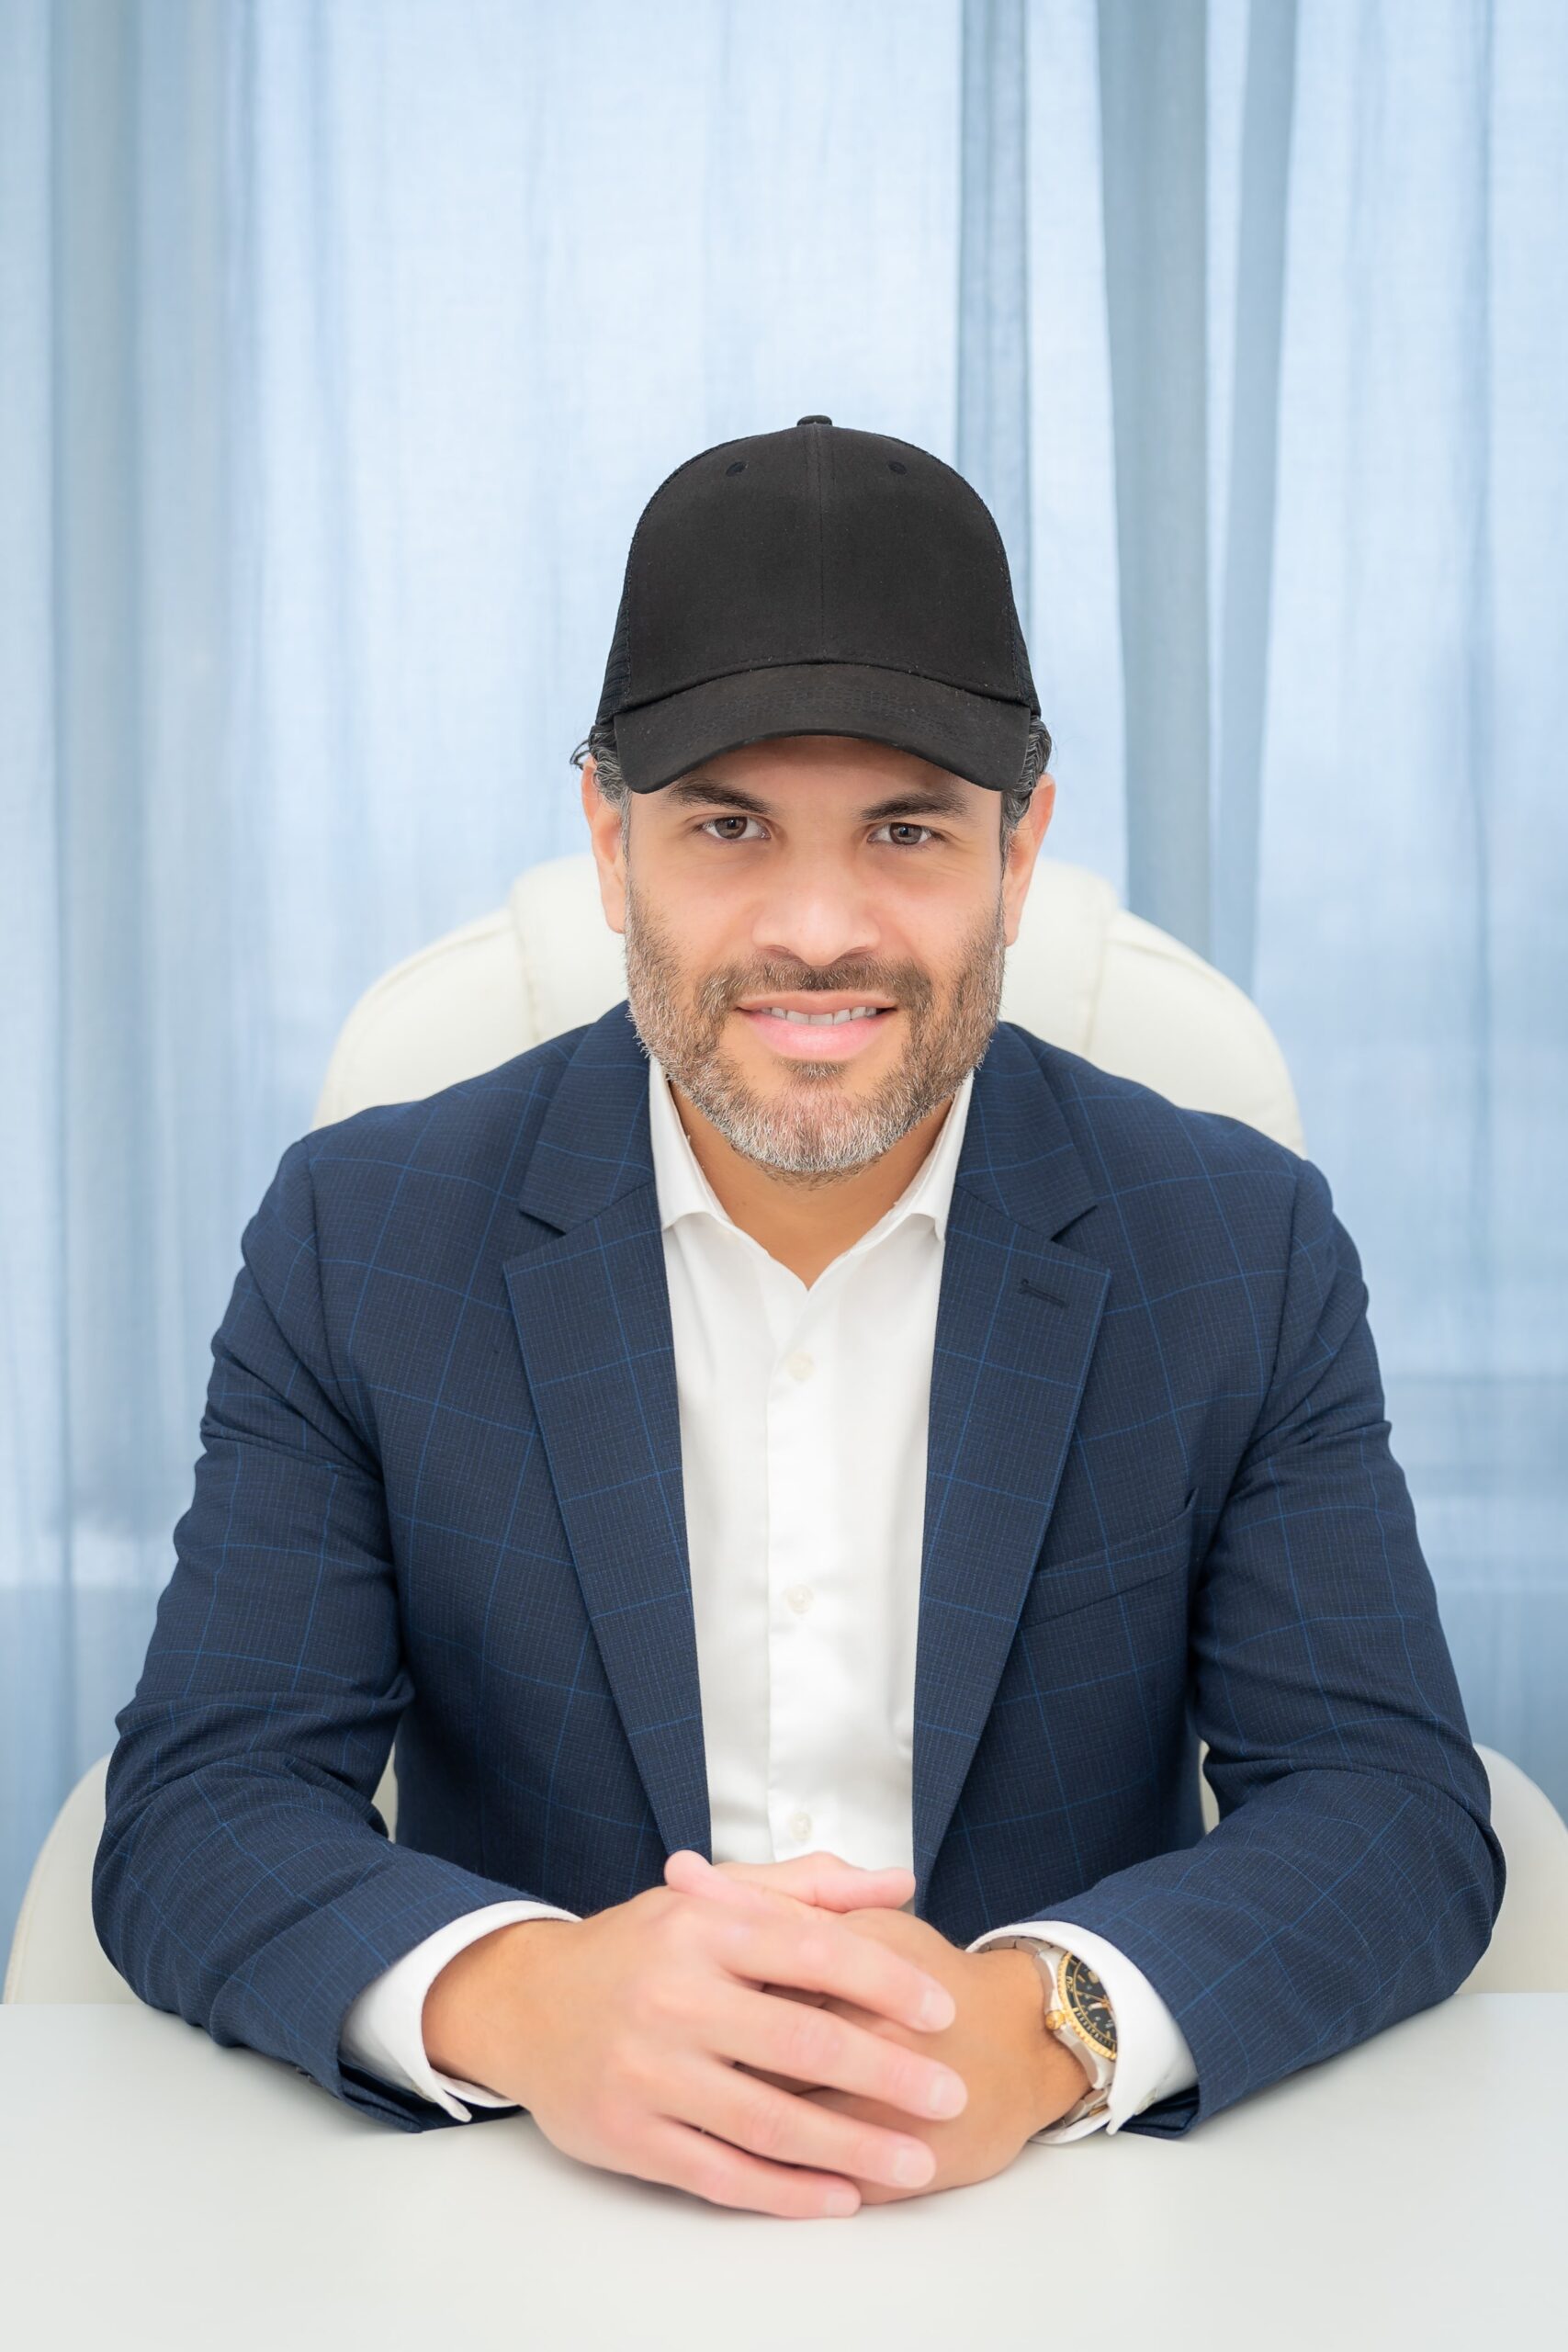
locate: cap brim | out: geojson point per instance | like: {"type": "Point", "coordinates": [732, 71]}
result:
{"type": "Point", "coordinates": [979, 737]}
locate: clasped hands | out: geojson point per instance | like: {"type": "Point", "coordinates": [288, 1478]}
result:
{"type": "Point", "coordinates": [1019, 2078]}
{"type": "Point", "coordinates": [782, 2037]}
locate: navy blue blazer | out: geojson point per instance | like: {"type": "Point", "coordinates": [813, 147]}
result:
{"type": "Point", "coordinates": [439, 1497]}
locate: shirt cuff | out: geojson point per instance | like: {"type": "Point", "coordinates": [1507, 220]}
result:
{"type": "Point", "coordinates": [1153, 2060]}
{"type": "Point", "coordinates": [383, 2032]}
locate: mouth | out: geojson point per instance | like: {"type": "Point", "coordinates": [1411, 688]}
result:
{"type": "Point", "coordinates": [817, 1040]}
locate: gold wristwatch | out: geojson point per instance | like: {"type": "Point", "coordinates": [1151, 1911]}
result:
{"type": "Point", "coordinates": [1080, 2014]}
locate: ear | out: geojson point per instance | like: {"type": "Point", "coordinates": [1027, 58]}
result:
{"type": "Point", "coordinates": [604, 839]}
{"type": "Point", "coordinates": [1023, 850]}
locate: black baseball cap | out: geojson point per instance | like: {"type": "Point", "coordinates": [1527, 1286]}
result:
{"type": "Point", "coordinates": [818, 580]}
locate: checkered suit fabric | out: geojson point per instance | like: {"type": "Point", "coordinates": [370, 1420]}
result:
{"type": "Point", "coordinates": [439, 1498]}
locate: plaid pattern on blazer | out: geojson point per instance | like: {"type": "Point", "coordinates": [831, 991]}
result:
{"type": "Point", "coordinates": [439, 1497]}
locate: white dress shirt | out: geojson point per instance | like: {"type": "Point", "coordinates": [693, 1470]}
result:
{"type": "Point", "coordinates": [803, 1449]}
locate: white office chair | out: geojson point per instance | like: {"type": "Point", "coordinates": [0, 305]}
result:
{"type": "Point", "coordinates": [1084, 973]}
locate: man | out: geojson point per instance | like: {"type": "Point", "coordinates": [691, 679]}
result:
{"type": "Point", "coordinates": [800, 1420]}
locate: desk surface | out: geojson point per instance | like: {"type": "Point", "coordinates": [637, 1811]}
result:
{"type": "Point", "coordinates": [161, 2192]}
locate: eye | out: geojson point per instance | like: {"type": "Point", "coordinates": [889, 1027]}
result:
{"type": "Point", "coordinates": [734, 819]}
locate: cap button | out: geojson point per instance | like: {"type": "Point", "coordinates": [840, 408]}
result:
{"type": "Point", "coordinates": [814, 420]}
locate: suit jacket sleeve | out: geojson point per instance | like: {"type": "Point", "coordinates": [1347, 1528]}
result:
{"type": "Point", "coordinates": [1353, 1877]}
{"type": "Point", "coordinates": [244, 1878]}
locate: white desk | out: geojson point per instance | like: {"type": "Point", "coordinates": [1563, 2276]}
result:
{"type": "Point", "coordinates": [159, 2193]}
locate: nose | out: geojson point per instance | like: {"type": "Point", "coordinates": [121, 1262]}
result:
{"type": "Point", "coordinates": [818, 921]}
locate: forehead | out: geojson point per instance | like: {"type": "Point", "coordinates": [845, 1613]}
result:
{"type": "Point", "coordinates": [836, 776]}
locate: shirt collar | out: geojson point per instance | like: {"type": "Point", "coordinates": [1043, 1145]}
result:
{"type": "Point", "coordinates": [685, 1190]}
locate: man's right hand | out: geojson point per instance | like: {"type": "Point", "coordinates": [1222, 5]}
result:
{"type": "Point", "coordinates": [630, 2035]}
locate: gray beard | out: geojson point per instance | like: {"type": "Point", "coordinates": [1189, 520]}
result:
{"type": "Point", "coordinates": [813, 1129]}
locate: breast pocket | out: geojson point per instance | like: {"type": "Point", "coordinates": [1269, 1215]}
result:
{"type": "Point", "coordinates": [1118, 1565]}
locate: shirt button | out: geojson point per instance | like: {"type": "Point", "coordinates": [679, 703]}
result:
{"type": "Point", "coordinates": [800, 1598]}
{"type": "Point", "coordinates": [800, 1826]}
{"type": "Point", "coordinates": [800, 1365]}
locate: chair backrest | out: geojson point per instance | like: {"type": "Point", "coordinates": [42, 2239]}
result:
{"type": "Point", "coordinates": [1083, 973]}
{"type": "Point", "coordinates": [56, 1955]}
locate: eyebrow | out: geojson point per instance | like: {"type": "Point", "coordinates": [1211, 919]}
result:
{"type": "Point", "coordinates": [920, 800]}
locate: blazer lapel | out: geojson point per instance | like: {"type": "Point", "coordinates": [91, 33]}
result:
{"type": "Point", "coordinates": [1017, 1320]}
{"type": "Point", "coordinates": [1017, 1317]}
{"type": "Point", "coordinates": [593, 1314]}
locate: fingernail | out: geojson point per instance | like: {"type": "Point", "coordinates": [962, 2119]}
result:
{"type": "Point", "coordinates": [937, 2009]}
{"type": "Point", "coordinates": [840, 2201]}
{"type": "Point", "coordinates": [947, 2095]}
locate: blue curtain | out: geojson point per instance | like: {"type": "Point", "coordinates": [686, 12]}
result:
{"type": "Point", "coordinates": [340, 347]}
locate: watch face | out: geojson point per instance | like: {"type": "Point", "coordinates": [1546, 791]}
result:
{"type": "Point", "coordinates": [1083, 1995]}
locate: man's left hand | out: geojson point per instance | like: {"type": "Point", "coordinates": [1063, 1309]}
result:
{"type": "Point", "coordinates": [1021, 2077]}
